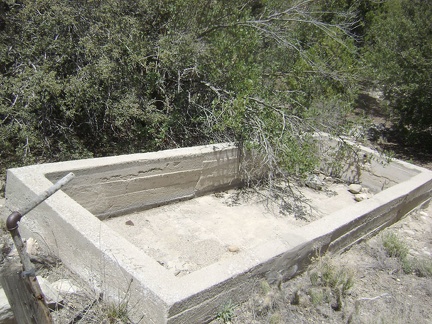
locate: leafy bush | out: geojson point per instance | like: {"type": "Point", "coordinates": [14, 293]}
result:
{"type": "Point", "coordinates": [399, 51]}
{"type": "Point", "coordinates": [94, 78]}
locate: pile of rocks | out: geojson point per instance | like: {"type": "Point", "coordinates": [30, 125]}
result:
{"type": "Point", "coordinates": [360, 193]}
{"type": "Point", "coordinates": [318, 183]}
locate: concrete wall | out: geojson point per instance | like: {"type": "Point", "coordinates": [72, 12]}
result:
{"type": "Point", "coordinates": [354, 163]}
{"type": "Point", "coordinates": [111, 186]}
{"type": "Point", "coordinates": [114, 187]}
{"type": "Point", "coordinates": [67, 225]}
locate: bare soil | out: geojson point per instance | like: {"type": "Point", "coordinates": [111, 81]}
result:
{"type": "Point", "coordinates": [189, 235]}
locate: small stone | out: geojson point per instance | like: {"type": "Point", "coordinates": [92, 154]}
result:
{"type": "Point", "coordinates": [409, 232]}
{"type": "Point", "coordinates": [31, 246]}
{"type": "Point", "coordinates": [52, 295]}
{"type": "Point", "coordinates": [355, 188]}
{"type": "Point", "coordinates": [233, 248]}
{"type": "Point", "coordinates": [130, 223]}
{"type": "Point", "coordinates": [426, 252]}
{"type": "Point", "coordinates": [170, 265]}
{"type": "Point", "coordinates": [360, 197]}
{"type": "Point", "coordinates": [64, 286]}
{"type": "Point", "coordinates": [314, 182]}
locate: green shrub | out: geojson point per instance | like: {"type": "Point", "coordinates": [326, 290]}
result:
{"type": "Point", "coordinates": [226, 313]}
{"type": "Point", "coordinates": [395, 247]}
{"type": "Point", "coordinates": [96, 78]}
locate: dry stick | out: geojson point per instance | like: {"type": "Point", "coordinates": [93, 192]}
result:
{"type": "Point", "coordinates": [78, 317]}
{"type": "Point", "coordinates": [374, 298]}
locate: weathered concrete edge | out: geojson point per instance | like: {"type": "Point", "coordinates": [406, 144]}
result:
{"type": "Point", "coordinates": [82, 233]}
{"type": "Point", "coordinates": [100, 251]}
{"type": "Point", "coordinates": [332, 233]}
{"type": "Point", "coordinates": [171, 300]}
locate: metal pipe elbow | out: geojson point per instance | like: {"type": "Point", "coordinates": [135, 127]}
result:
{"type": "Point", "coordinates": [13, 220]}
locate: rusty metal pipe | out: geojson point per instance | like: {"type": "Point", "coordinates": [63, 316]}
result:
{"type": "Point", "coordinates": [29, 274]}
{"type": "Point", "coordinates": [47, 193]}
{"type": "Point", "coordinates": [14, 218]}
{"type": "Point", "coordinates": [12, 221]}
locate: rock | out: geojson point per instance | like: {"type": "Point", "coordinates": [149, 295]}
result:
{"type": "Point", "coordinates": [360, 197]}
{"type": "Point", "coordinates": [52, 295]}
{"type": "Point", "coordinates": [314, 182]}
{"type": "Point", "coordinates": [130, 223]}
{"type": "Point", "coordinates": [233, 248]}
{"type": "Point", "coordinates": [6, 314]}
{"type": "Point", "coordinates": [32, 246]}
{"type": "Point", "coordinates": [355, 188]}
{"type": "Point", "coordinates": [422, 213]}
{"type": "Point", "coordinates": [64, 287]}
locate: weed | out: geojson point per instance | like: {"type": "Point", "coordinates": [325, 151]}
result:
{"type": "Point", "coordinates": [265, 287]}
{"type": "Point", "coordinates": [395, 247]}
{"type": "Point", "coordinates": [423, 268]}
{"type": "Point", "coordinates": [226, 313]}
{"type": "Point", "coordinates": [314, 278]}
{"type": "Point", "coordinates": [316, 295]}
{"type": "Point", "coordinates": [275, 318]}
{"type": "Point", "coordinates": [117, 312]}
{"type": "Point", "coordinates": [329, 275]}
